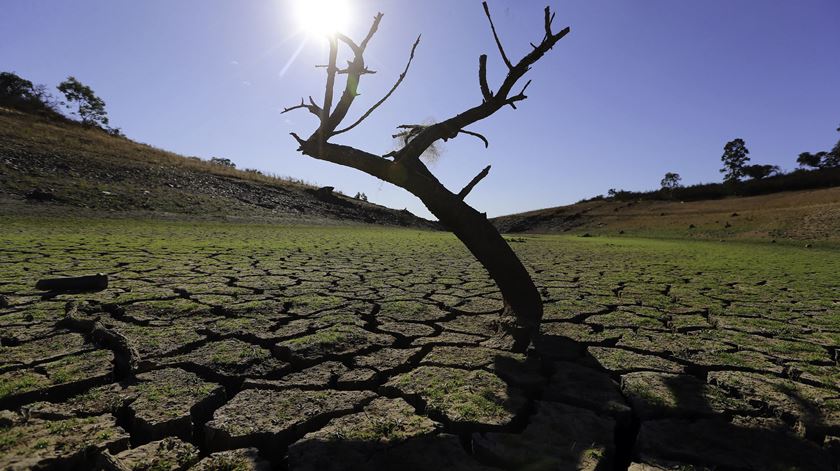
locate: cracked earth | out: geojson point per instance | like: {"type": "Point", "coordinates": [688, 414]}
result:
{"type": "Point", "coordinates": [254, 347]}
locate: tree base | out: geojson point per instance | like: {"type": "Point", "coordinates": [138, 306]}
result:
{"type": "Point", "coordinates": [511, 335]}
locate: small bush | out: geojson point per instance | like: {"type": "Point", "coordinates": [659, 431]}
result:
{"type": "Point", "coordinates": [793, 181]}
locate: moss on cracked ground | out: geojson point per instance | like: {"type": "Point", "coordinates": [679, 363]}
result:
{"type": "Point", "coordinates": [461, 396]}
{"type": "Point", "coordinates": [402, 313]}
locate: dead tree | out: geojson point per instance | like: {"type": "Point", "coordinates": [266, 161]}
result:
{"type": "Point", "coordinates": [520, 319]}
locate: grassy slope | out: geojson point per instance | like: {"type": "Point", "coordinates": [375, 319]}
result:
{"type": "Point", "coordinates": [812, 215]}
{"type": "Point", "coordinates": [86, 168]}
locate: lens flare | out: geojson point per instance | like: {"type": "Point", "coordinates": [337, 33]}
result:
{"type": "Point", "coordinates": [323, 17]}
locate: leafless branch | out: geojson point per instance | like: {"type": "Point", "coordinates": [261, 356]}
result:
{"type": "Point", "coordinates": [374, 27]}
{"type": "Point", "coordinates": [349, 157]}
{"type": "Point", "coordinates": [518, 97]}
{"type": "Point", "coordinates": [312, 107]}
{"type": "Point", "coordinates": [328, 94]}
{"type": "Point", "coordinates": [451, 127]}
{"type": "Point", "coordinates": [475, 134]}
{"type": "Point", "coordinates": [496, 36]}
{"type": "Point", "coordinates": [355, 69]}
{"type": "Point", "coordinates": [549, 18]}
{"type": "Point", "coordinates": [312, 102]}
{"type": "Point", "coordinates": [358, 49]}
{"type": "Point", "coordinates": [301, 142]}
{"type": "Point", "coordinates": [482, 78]}
{"type": "Point", "coordinates": [467, 189]}
{"type": "Point", "coordinates": [387, 95]}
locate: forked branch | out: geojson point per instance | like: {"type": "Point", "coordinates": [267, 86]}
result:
{"type": "Point", "coordinates": [416, 138]}
{"type": "Point", "coordinates": [355, 69]}
{"type": "Point", "coordinates": [412, 130]}
{"type": "Point", "coordinates": [387, 95]}
{"type": "Point", "coordinates": [496, 36]}
{"type": "Point", "coordinates": [492, 102]}
{"type": "Point", "coordinates": [312, 107]}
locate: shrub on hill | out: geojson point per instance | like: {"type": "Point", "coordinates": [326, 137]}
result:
{"type": "Point", "coordinates": [796, 180]}
{"type": "Point", "coordinates": [21, 94]}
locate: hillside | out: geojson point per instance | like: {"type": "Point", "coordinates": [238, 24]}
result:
{"type": "Point", "coordinates": [810, 215]}
{"type": "Point", "coordinates": [49, 166]}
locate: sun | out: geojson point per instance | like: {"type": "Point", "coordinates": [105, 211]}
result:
{"type": "Point", "coordinates": [323, 17]}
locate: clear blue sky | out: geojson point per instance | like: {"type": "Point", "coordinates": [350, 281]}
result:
{"type": "Point", "coordinates": [638, 89]}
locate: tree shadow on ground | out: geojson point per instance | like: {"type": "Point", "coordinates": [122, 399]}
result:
{"type": "Point", "coordinates": [580, 415]}
{"type": "Point", "coordinates": [683, 421]}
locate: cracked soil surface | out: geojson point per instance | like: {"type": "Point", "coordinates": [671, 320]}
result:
{"type": "Point", "coordinates": [260, 347]}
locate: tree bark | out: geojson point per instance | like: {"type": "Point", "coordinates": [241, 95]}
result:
{"type": "Point", "coordinates": [520, 318]}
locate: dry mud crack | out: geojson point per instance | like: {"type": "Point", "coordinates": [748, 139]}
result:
{"type": "Point", "coordinates": [331, 351]}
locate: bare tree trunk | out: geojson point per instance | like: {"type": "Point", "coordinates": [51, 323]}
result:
{"type": "Point", "coordinates": [522, 312]}
{"type": "Point", "coordinates": [520, 319]}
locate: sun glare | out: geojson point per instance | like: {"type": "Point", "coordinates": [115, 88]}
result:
{"type": "Point", "coordinates": [323, 17]}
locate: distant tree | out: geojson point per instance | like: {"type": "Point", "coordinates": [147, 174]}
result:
{"type": "Point", "coordinates": [830, 159]}
{"type": "Point", "coordinates": [612, 192]}
{"type": "Point", "coordinates": [757, 172]}
{"type": "Point", "coordinates": [735, 157]}
{"type": "Point", "coordinates": [807, 159]}
{"type": "Point", "coordinates": [363, 197]}
{"type": "Point", "coordinates": [82, 101]}
{"type": "Point", "coordinates": [13, 87]}
{"type": "Point", "coordinates": [222, 162]}
{"type": "Point", "coordinates": [19, 93]}
{"type": "Point", "coordinates": [671, 181]}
